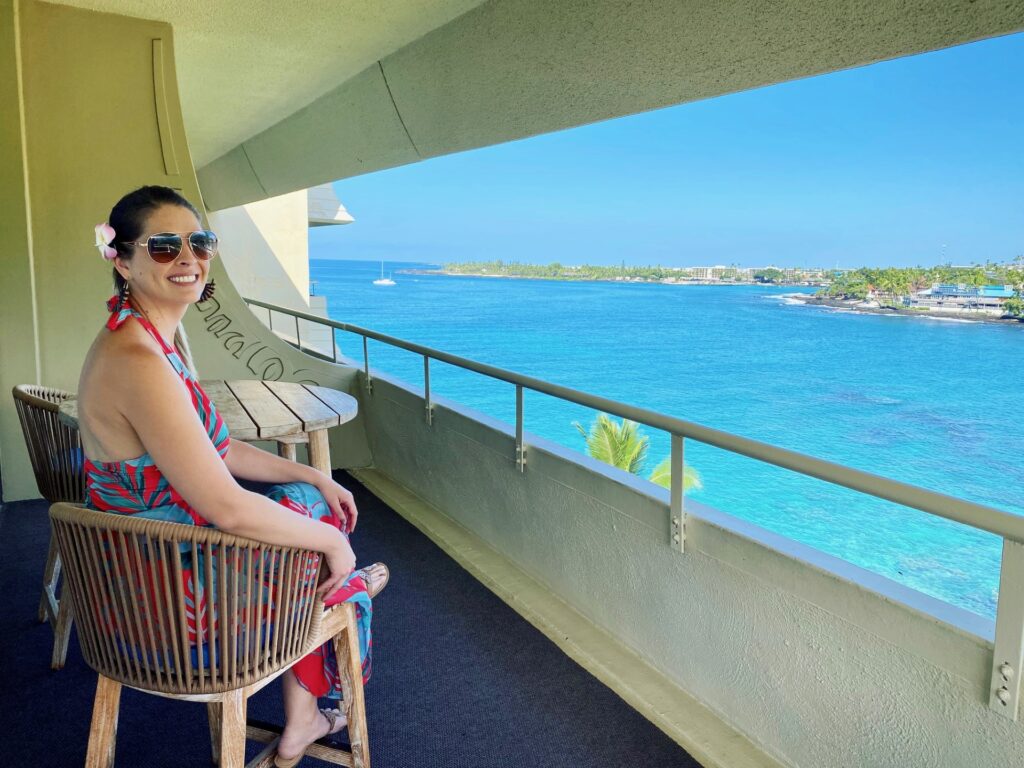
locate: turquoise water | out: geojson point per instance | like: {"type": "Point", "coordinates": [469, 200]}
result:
{"type": "Point", "coordinates": [933, 403]}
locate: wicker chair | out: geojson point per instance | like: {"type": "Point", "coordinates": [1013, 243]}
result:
{"type": "Point", "coordinates": [56, 453]}
{"type": "Point", "coordinates": [125, 578]}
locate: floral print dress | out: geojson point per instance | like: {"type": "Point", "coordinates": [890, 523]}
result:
{"type": "Point", "coordinates": [137, 487]}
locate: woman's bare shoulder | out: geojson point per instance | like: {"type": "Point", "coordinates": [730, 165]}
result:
{"type": "Point", "coordinates": [120, 359]}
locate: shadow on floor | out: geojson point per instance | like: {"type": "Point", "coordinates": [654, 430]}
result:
{"type": "Point", "coordinates": [460, 679]}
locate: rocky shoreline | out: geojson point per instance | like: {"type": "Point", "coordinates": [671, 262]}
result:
{"type": "Point", "coordinates": [860, 307]}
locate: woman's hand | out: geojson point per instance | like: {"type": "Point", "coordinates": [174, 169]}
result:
{"type": "Point", "coordinates": [340, 501]}
{"type": "Point", "coordinates": [341, 561]}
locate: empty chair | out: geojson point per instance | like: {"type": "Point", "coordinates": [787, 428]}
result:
{"type": "Point", "coordinates": [56, 453]}
{"type": "Point", "coordinates": [143, 623]}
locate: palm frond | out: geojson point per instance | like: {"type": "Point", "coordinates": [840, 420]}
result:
{"type": "Point", "coordinates": [620, 444]}
{"type": "Point", "coordinates": [662, 475]}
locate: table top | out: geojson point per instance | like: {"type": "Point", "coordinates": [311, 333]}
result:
{"type": "Point", "coordinates": [263, 410]}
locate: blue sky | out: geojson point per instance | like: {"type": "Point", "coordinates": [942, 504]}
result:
{"type": "Point", "coordinates": [914, 161]}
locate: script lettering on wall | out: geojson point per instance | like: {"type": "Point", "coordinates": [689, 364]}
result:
{"type": "Point", "coordinates": [260, 359]}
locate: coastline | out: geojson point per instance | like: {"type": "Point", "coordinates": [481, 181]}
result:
{"type": "Point", "coordinates": [859, 308]}
{"type": "Point", "coordinates": [844, 305]}
{"type": "Point", "coordinates": [634, 281]}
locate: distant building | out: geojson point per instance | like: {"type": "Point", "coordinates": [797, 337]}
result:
{"type": "Point", "coordinates": [962, 298]}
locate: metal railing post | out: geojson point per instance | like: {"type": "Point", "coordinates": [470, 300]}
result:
{"type": "Point", "coordinates": [677, 470]}
{"type": "Point", "coordinates": [366, 366]}
{"type": "Point", "coordinates": [520, 448]}
{"type": "Point", "coordinates": [426, 390]}
{"type": "Point", "coordinates": [298, 338]}
{"type": "Point", "coordinates": [1008, 656]}
{"type": "Point", "coordinates": [334, 345]}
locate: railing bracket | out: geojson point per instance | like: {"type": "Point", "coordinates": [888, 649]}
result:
{"type": "Point", "coordinates": [676, 510]}
{"type": "Point", "coordinates": [1008, 655]}
{"type": "Point", "coordinates": [520, 446]}
{"type": "Point", "coordinates": [428, 406]}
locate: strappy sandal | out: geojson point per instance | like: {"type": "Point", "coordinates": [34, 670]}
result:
{"type": "Point", "coordinates": [372, 590]}
{"type": "Point", "coordinates": [332, 716]}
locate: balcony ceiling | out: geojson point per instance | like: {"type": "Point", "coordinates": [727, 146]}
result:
{"type": "Point", "coordinates": [282, 96]}
{"type": "Point", "coordinates": [243, 65]}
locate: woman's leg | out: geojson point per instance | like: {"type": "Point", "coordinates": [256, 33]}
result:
{"type": "Point", "coordinates": [303, 721]}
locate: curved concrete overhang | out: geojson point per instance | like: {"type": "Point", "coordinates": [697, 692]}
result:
{"type": "Point", "coordinates": [243, 66]}
{"type": "Point", "coordinates": [509, 69]}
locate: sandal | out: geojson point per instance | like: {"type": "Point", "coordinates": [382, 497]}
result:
{"type": "Point", "coordinates": [372, 590]}
{"type": "Point", "coordinates": [332, 716]}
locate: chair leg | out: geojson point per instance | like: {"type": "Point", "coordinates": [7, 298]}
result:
{"type": "Point", "coordinates": [286, 451]}
{"type": "Point", "coordinates": [232, 729]}
{"type": "Point", "coordinates": [61, 633]}
{"type": "Point", "coordinates": [103, 731]}
{"type": "Point", "coordinates": [213, 712]}
{"type": "Point", "coordinates": [346, 650]}
{"type": "Point", "coordinates": [51, 574]}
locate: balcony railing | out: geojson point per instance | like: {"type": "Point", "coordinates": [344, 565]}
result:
{"type": "Point", "coordinates": [1009, 641]}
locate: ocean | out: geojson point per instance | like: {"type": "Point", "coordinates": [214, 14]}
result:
{"type": "Point", "coordinates": [934, 403]}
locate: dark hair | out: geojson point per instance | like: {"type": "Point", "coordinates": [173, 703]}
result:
{"type": "Point", "coordinates": [128, 218]}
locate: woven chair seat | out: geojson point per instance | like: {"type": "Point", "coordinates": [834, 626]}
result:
{"type": "Point", "coordinates": [184, 609]}
{"type": "Point", "coordinates": [195, 613]}
{"type": "Point", "coordinates": [55, 451]}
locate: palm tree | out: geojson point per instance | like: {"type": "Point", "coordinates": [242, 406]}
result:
{"type": "Point", "coordinates": [617, 443]}
{"type": "Point", "coordinates": [623, 445]}
{"type": "Point", "coordinates": [662, 475]}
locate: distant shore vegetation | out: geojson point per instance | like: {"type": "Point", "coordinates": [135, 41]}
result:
{"type": "Point", "coordinates": [660, 274]}
{"type": "Point", "coordinates": [890, 286]}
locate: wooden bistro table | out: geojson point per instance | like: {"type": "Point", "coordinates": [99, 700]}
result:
{"type": "Point", "coordinates": [282, 411]}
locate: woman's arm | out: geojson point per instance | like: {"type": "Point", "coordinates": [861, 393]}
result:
{"type": "Point", "coordinates": [250, 463]}
{"type": "Point", "coordinates": [160, 410]}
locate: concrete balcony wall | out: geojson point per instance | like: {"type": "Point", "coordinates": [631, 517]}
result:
{"type": "Point", "coordinates": [815, 661]}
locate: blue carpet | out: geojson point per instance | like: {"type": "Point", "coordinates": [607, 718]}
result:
{"type": "Point", "coordinates": [459, 678]}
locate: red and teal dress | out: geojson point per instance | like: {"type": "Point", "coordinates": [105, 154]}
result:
{"type": "Point", "coordinates": [137, 487]}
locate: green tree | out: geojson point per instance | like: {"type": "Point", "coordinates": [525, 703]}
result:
{"type": "Point", "coordinates": [620, 444]}
{"type": "Point", "coordinates": [1014, 306]}
{"type": "Point", "coordinates": [770, 275]}
{"type": "Point", "coordinates": [623, 445]}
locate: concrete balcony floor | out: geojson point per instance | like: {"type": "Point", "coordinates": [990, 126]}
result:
{"type": "Point", "coordinates": [459, 678]}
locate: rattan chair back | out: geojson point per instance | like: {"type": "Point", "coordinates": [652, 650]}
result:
{"type": "Point", "coordinates": [249, 610]}
{"type": "Point", "coordinates": [54, 448]}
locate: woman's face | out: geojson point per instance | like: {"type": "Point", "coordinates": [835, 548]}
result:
{"type": "Point", "coordinates": [180, 281]}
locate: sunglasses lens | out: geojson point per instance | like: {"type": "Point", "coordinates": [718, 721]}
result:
{"type": "Point", "coordinates": [164, 248]}
{"type": "Point", "coordinates": [204, 244]}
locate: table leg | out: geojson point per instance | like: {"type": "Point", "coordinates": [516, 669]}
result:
{"type": "Point", "coordinates": [320, 451]}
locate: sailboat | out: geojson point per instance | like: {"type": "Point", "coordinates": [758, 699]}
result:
{"type": "Point", "coordinates": [383, 280]}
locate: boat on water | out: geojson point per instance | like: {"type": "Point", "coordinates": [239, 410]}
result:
{"type": "Point", "coordinates": [383, 280]}
{"type": "Point", "coordinates": [745, 646]}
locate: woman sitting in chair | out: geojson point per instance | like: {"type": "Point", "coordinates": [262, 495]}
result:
{"type": "Point", "coordinates": [155, 446]}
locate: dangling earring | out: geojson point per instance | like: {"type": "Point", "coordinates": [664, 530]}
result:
{"type": "Point", "coordinates": [208, 291]}
{"type": "Point", "coordinates": [122, 296]}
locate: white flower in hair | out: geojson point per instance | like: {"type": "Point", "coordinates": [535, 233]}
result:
{"type": "Point", "coordinates": [104, 237]}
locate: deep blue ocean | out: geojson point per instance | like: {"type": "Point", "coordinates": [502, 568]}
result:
{"type": "Point", "coordinates": [929, 402]}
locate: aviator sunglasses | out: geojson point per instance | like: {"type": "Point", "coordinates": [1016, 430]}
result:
{"type": "Point", "coordinates": [165, 247]}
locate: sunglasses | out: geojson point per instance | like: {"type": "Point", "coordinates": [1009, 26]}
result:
{"type": "Point", "coordinates": [165, 247]}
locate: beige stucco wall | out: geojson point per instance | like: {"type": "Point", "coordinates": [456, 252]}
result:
{"type": "Point", "coordinates": [67, 154]}
{"type": "Point", "coordinates": [821, 664]}
{"type": "Point", "coordinates": [268, 257]}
